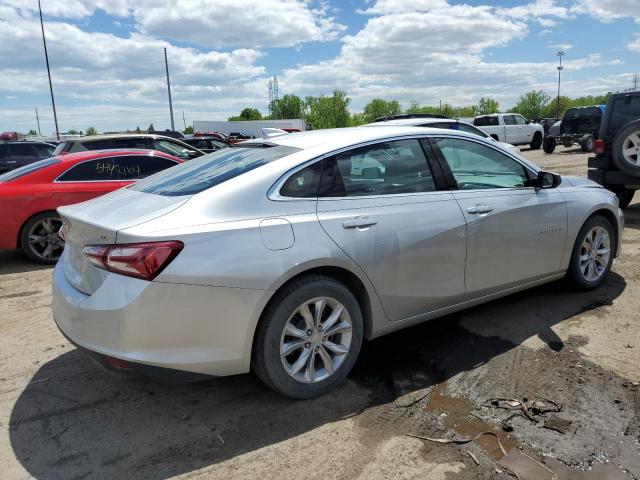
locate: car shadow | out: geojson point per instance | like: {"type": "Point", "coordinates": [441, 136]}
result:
{"type": "Point", "coordinates": [632, 214]}
{"type": "Point", "coordinates": [14, 261]}
{"type": "Point", "coordinates": [75, 421]}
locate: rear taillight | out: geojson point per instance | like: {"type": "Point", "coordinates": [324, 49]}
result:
{"type": "Point", "coordinates": [137, 260]}
{"type": "Point", "coordinates": [598, 147]}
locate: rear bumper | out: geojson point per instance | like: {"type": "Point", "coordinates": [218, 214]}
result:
{"type": "Point", "coordinates": [190, 328]}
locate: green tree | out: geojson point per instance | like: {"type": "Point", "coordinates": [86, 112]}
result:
{"type": "Point", "coordinates": [487, 105]}
{"type": "Point", "coordinates": [72, 132]}
{"type": "Point", "coordinates": [381, 108]}
{"type": "Point", "coordinates": [247, 114]}
{"type": "Point", "coordinates": [91, 131]}
{"type": "Point", "coordinates": [551, 109]}
{"type": "Point", "coordinates": [32, 132]}
{"type": "Point", "coordinates": [289, 106]}
{"type": "Point", "coordinates": [151, 129]}
{"type": "Point", "coordinates": [357, 119]}
{"type": "Point", "coordinates": [328, 112]}
{"type": "Point", "coordinates": [532, 104]}
{"type": "Point", "coordinates": [188, 130]}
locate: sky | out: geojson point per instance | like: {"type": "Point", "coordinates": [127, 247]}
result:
{"type": "Point", "coordinates": [107, 60]}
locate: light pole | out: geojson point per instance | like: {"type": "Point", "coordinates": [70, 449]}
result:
{"type": "Point", "coordinates": [166, 66]}
{"type": "Point", "coordinates": [46, 57]}
{"type": "Point", "coordinates": [559, 55]}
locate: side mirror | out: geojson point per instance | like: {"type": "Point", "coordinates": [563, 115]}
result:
{"type": "Point", "coordinates": [548, 180]}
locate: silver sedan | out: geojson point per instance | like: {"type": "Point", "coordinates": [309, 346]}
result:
{"type": "Point", "coordinates": [281, 256]}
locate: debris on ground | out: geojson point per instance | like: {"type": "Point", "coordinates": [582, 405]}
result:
{"type": "Point", "coordinates": [558, 424]}
{"type": "Point", "coordinates": [529, 409]}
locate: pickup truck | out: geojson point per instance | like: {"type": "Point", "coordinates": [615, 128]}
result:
{"type": "Point", "coordinates": [511, 128]}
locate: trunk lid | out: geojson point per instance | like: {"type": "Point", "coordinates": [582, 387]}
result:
{"type": "Point", "coordinates": [98, 221]}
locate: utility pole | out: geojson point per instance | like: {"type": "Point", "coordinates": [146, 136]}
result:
{"type": "Point", "coordinates": [46, 57]}
{"type": "Point", "coordinates": [559, 55]}
{"type": "Point", "coordinates": [38, 120]}
{"type": "Point", "coordinates": [184, 120]}
{"type": "Point", "coordinates": [166, 66]}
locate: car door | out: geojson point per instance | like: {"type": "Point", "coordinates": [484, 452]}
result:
{"type": "Point", "coordinates": [511, 130]}
{"type": "Point", "coordinates": [87, 180]}
{"type": "Point", "coordinates": [516, 233]}
{"type": "Point", "coordinates": [525, 132]}
{"type": "Point", "coordinates": [380, 204]}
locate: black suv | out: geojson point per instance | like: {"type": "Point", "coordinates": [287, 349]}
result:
{"type": "Point", "coordinates": [161, 143]}
{"type": "Point", "coordinates": [617, 162]}
{"type": "Point", "coordinates": [579, 125]}
{"type": "Point", "coordinates": [18, 154]}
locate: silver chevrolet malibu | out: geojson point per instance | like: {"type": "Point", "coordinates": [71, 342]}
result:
{"type": "Point", "coordinates": [280, 256]}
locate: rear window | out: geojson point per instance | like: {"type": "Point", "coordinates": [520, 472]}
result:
{"type": "Point", "coordinates": [32, 167]}
{"type": "Point", "coordinates": [624, 110]}
{"type": "Point", "coordinates": [210, 170]}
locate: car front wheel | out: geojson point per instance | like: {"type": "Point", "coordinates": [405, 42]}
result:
{"type": "Point", "coordinates": [592, 254]}
{"type": "Point", "coordinates": [40, 239]}
{"type": "Point", "coordinates": [309, 337]}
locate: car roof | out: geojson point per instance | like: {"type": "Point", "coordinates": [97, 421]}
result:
{"type": "Point", "coordinates": [336, 138]}
{"type": "Point", "coordinates": [92, 154]}
{"type": "Point", "coordinates": [412, 121]}
{"type": "Point", "coordinates": [119, 135]}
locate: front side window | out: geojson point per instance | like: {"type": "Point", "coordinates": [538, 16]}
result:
{"type": "Point", "coordinates": [172, 148]}
{"type": "Point", "coordinates": [476, 166]}
{"type": "Point", "coordinates": [210, 170]}
{"type": "Point", "coordinates": [509, 120]}
{"type": "Point", "coordinates": [385, 168]}
{"type": "Point", "coordinates": [520, 120]}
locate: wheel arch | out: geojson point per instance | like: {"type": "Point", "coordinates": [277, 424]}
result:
{"type": "Point", "coordinates": [339, 273]}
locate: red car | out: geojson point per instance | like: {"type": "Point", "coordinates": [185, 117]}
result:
{"type": "Point", "coordinates": [29, 195]}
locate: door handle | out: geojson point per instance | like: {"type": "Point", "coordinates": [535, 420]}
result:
{"type": "Point", "coordinates": [359, 222]}
{"type": "Point", "coordinates": [479, 209]}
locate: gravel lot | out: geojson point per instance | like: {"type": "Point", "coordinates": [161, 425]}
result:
{"type": "Point", "coordinates": [62, 417]}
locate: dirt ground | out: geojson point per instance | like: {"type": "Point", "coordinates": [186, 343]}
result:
{"type": "Point", "coordinates": [63, 418]}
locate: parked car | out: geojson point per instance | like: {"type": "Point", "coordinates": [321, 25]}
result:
{"type": "Point", "coordinates": [546, 123]}
{"type": "Point", "coordinates": [8, 136]}
{"type": "Point", "coordinates": [279, 258]}
{"type": "Point", "coordinates": [29, 195]}
{"type": "Point", "coordinates": [235, 137]}
{"type": "Point", "coordinates": [579, 125]}
{"type": "Point", "coordinates": [205, 144]}
{"type": "Point", "coordinates": [511, 128]}
{"type": "Point", "coordinates": [17, 154]}
{"type": "Point", "coordinates": [171, 146]}
{"type": "Point", "coordinates": [442, 122]}
{"type": "Point", "coordinates": [405, 116]}
{"type": "Point", "coordinates": [616, 164]}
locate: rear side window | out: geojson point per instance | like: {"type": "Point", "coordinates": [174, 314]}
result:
{"type": "Point", "coordinates": [486, 122]}
{"type": "Point", "coordinates": [172, 148]}
{"type": "Point", "coordinates": [43, 151]}
{"type": "Point", "coordinates": [385, 168]}
{"type": "Point", "coordinates": [210, 170]}
{"type": "Point", "coordinates": [3, 151]}
{"type": "Point", "coordinates": [304, 183]}
{"type": "Point", "coordinates": [21, 150]}
{"type": "Point", "coordinates": [114, 169]}
{"type": "Point", "coordinates": [32, 167]}
{"type": "Point", "coordinates": [132, 142]}
{"type": "Point", "coordinates": [625, 110]}
{"type": "Point", "coordinates": [92, 145]}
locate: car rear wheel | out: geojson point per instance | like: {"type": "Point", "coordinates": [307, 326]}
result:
{"type": "Point", "coordinates": [309, 338]}
{"type": "Point", "coordinates": [549, 144]}
{"type": "Point", "coordinates": [40, 240]}
{"type": "Point", "coordinates": [536, 143]}
{"type": "Point", "coordinates": [626, 149]}
{"type": "Point", "coordinates": [586, 143]}
{"type": "Point", "coordinates": [592, 254]}
{"type": "Point", "coordinates": [625, 195]}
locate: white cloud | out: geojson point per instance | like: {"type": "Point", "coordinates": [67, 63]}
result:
{"type": "Point", "coordinates": [74, 9]}
{"type": "Point", "coordinates": [634, 45]}
{"type": "Point", "coordinates": [608, 10]}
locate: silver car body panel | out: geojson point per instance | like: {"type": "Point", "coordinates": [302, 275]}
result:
{"type": "Point", "coordinates": [424, 257]}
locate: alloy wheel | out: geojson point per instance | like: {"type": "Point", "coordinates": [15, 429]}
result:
{"type": "Point", "coordinates": [631, 149]}
{"type": "Point", "coordinates": [44, 240]}
{"type": "Point", "coordinates": [595, 252]}
{"type": "Point", "coordinates": [316, 340]}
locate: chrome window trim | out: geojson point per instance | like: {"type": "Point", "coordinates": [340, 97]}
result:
{"type": "Point", "coordinates": [57, 179]}
{"type": "Point", "coordinates": [274, 192]}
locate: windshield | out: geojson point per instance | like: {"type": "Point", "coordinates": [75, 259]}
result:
{"type": "Point", "coordinates": [32, 167]}
{"type": "Point", "coordinates": [210, 170]}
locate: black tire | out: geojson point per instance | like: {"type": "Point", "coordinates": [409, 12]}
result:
{"type": "Point", "coordinates": [549, 144]}
{"type": "Point", "coordinates": [586, 143]}
{"type": "Point", "coordinates": [495, 137]}
{"type": "Point", "coordinates": [266, 361]}
{"type": "Point", "coordinates": [567, 142]}
{"type": "Point", "coordinates": [574, 275]}
{"type": "Point", "coordinates": [536, 142]}
{"type": "Point", "coordinates": [625, 195]}
{"type": "Point", "coordinates": [618, 145]}
{"type": "Point", "coordinates": [38, 250]}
